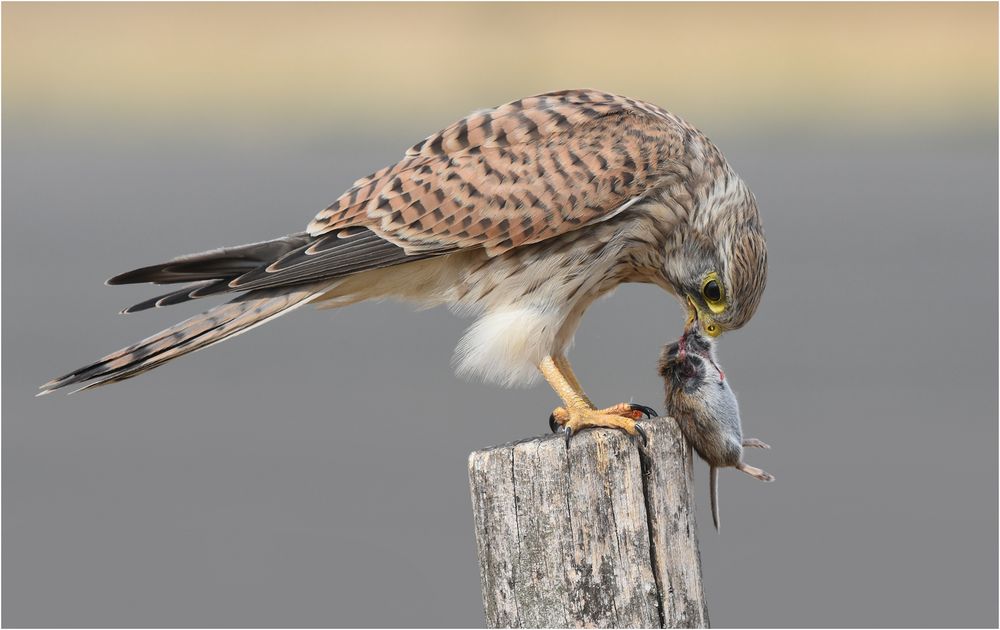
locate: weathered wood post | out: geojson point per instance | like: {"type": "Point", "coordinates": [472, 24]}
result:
{"type": "Point", "coordinates": [589, 536]}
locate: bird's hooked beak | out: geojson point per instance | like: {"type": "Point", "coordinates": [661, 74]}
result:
{"type": "Point", "coordinates": [709, 327]}
{"type": "Point", "coordinates": [692, 315]}
{"type": "Point", "coordinates": [697, 317]}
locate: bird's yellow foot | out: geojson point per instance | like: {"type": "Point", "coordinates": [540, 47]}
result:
{"type": "Point", "coordinates": [621, 416]}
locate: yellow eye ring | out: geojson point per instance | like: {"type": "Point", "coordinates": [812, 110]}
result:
{"type": "Point", "coordinates": [713, 293]}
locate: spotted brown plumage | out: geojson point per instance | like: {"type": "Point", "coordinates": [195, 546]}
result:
{"type": "Point", "coordinates": [517, 174]}
{"type": "Point", "coordinates": [522, 215]}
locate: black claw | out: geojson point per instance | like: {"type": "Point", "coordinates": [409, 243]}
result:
{"type": "Point", "coordinates": [553, 425]}
{"type": "Point", "coordinates": [568, 432]}
{"type": "Point", "coordinates": [648, 411]}
{"type": "Point", "coordinates": [643, 438]}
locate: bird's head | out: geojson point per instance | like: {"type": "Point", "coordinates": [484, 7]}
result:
{"type": "Point", "coordinates": [721, 268]}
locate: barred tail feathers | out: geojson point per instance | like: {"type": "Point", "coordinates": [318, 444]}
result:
{"type": "Point", "coordinates": [201, 331]}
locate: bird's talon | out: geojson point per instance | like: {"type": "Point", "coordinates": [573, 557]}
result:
{"type": "Point", "coordinates": [643, 437]}
{"type": "Point", "coordinates": [649, 412]}
{"type": "Point", "coordinates": [622, 416]}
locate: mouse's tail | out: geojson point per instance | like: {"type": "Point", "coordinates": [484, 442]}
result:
{"type": "Point", "coordinates": [714, 492]}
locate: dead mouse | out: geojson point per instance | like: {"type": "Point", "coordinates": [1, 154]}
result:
{"type": "Point", "coordinates": [700, 399]}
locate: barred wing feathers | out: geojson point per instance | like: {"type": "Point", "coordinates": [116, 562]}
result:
{"type": "Point", "coordinates": [517, 174]}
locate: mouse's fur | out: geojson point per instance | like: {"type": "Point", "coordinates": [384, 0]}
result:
{"type": "Point", "coordinates": [699, 397]}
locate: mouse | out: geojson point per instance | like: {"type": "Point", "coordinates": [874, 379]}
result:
{"type": "Point", "coordinates": [700, 399]}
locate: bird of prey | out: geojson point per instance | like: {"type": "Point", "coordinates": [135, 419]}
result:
{"type": "Point", "coordinates": [523, 215]}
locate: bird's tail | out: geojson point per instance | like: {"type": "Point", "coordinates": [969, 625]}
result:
{"type": "Point", "coordinates": [714, 491]}
{"type": "Point", "coordinates": [214, 325]}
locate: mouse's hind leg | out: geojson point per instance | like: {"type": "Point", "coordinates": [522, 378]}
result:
{"type": "Point", "coordinates": [754, 443]}
{"type": "Point", "coordinates": [754, 471]}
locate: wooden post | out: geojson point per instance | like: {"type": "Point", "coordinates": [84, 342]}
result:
{"type": "Point", "coordinates": [589, 536]}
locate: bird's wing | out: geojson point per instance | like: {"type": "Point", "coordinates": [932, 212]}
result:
{"type": "Point", "coordinates": [514, 175]}
{"type": "Point", "coordinates": [290, 260]}
{"type": "Point", "coordinates": [501, 178]}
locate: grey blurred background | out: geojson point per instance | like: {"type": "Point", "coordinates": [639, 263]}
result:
{"type": "Point", "coordinates": [312, 473]}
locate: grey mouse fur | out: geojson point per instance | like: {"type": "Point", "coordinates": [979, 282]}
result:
{"type": "Point", "coordinates": [699, 397]}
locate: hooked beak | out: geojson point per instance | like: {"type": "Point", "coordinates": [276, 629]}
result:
{"type": "Point", "coordinates": [692, 316]}
{"type": "Point", "coordinates": [698, 318]}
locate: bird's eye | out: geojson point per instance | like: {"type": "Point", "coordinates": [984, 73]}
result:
{"type": "Point", "coordinates": [711, 290]}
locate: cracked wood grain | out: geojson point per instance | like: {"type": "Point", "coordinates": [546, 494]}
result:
{"type": "Point", "coordinates": [588, 536]}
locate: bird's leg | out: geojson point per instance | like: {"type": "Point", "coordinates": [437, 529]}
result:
{"type": "Point", "coordinates": [562, 364]}
{"type": "Point", "coordinates": [566, 387]}
{"type": "Point", "coordinates": [754, 443]}
{"type": "Point", "coordinates": [579, 412]}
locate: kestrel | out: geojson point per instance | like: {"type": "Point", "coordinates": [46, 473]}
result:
{"type": "Point", "coordinates": [522, 215]}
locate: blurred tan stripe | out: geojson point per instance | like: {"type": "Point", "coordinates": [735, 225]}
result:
{"type": "Point", "coordinates": [257, 62]}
